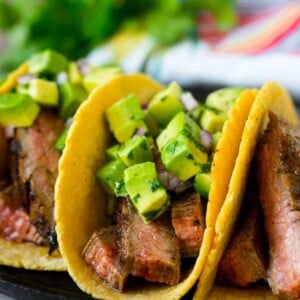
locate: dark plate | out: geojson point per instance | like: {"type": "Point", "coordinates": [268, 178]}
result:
{"type": "Point", "coordinates": [42, 285]}
{"type": "Point", "coordinates": [23, 284]}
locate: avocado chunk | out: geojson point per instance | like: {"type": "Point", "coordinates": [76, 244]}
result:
{"type": "Point", "coordinates": [111, 176]}
{"type": "Point", "coordinates": [112, 152]}
{"type": "Point", "coordinates": [196, 112]}
{"type": "Point", "coordinates": [61, 140]}
{"type": "Point", "coordinates": [47, 62]}
{"type": "Point", "coordinates": [124, 117]}
{"type": "Point", "coordinates": [202, 183]}
{"type": "Point", "coordinates": [180, 124]}
{"type": "Point", "coordinates": [223, 99]}
{"type": "Point", "coordinates": [74, 73]}
{"type": "Point", "coordinates": [153, 127]}
{"type": "Point", "coordinates": [98, 76]}
{"type": "Point", "coordinates": [166, 104]}
{"type": "Point", "coordinates": [146, 193]}
{"type": "Point", "coordinates": [18, 110]}
{"type": "Point", "coordinates": [43, 91]}
{"type": "Point", "coordinates": [135, 150]}
{"type": "Point", "coordinates": [212, 120]}
{"type": "Point", "coordinates": [71, 96]}
{"type": "Point", "coordinates": [215, 139]}
{"type": "Point", "coordinates": [182, 157]}
{"type": "Point", "coordinates": [125, 132]}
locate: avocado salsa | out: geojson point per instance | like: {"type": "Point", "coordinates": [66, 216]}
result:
{"type": "Point", "coordinates": [49, 81]}
{"type": "Point", "coordinates": [172, 138]}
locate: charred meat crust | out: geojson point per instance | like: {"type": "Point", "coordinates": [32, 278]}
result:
{"type": "Point", "coordinates": [189, 223]}
{"type": "Point", "coordinates": [35, 163]}
{"type": "Point", "coordinates": [278, 177]}
{"type": "Point", "coordinates": [101, 254]}
{"type": "Point", "coordinates": [149, 251]}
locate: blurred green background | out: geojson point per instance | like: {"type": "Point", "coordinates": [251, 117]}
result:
{"type": "Point", "coordinates": [75, 27]}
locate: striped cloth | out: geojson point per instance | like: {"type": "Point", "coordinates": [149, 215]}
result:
{"type": "Point", "coordinates": [265, 45]}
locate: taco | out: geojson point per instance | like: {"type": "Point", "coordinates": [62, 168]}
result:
{"type": "Point", "coordinates": [261, 260]}
{"type": "Point", "coordinates": [84, 223]}
{"type": "Point", "coordinates": [37, 102]}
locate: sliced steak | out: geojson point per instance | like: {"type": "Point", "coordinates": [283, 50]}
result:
{"type": "Point", "coordinates": [278, 175]}
{"type": "Point", "coordinates": [15, 222]}
{"type": "Point", "coordinates": [102, 255]}
{"type": "Point", "coordinates": [37, 162]}
{"type": "Point", "coordinates": [244, 260]}
{"type": "Point", "coordinates": [149, 251]}
{"type": "Point", "coordinates": [189, 223]}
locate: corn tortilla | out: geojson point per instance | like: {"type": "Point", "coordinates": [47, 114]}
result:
{"type": "Point", "coordinates": [30, 257]}
{"type": "Point", "coordinates": [80, 200]}
{"type": "Point", "coordinates": [270, 97]}
{"type": "Point", "coordinates": [25, 255]}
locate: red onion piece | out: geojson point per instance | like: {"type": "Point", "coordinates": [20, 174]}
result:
{"type": "Point", "coordinates": [163, 178]}
{"type": "Point", "coordinates": [188, 101]}
{"type": "Point", "coordinates": [84, 67]}
{"type": "Point", "coordinates": [25, 79]}
{"type": "Point", "coordinates": [206, 139]}
{"type": "Point", "coordinates": [9, 132]}
{"type": "Point", "coordinates": [140, 131]}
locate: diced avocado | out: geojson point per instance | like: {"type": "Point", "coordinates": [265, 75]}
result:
{"type": "Point", "coordinates": [47, 62]}
{"type": "Point", "coordinates": [111, 176]}
{"type": "Point", "coordinates": [154, 128]}
{"type": "Point", "coordinates": [212, 120]}
{"type": "Point", "coordinates": [61, 140]}
{"type": "Point", "coordinates": [124, 111]}
{"type": "Point", "coordinates": [146, 193]}
{"type": "Point", "coordinates": [202, 183]}
{"type": "Point", "coordinates": [182, 157]}
{"type": "Point", "coordinates": [43, 91]}
{"type": "Point", "coordinates": [71, 96]}
{"type": "Point", "coordinates": [17, 110]}
{"type": "Point", "coordinates": [180, 124]}
{"type": "Point", "coordinates": [74, 73]}
{"type": "Point", "coordinates": [223, 99]}
{"type": "Point", "coordinates": [126, 131]}
{"type": "Point", "coordinates": [166, 104]}
{"type": "Point", "coordinates": [98, 76]}
{"type": "Point", "coordinates": [135, 150]}
{"type": "Point", "coordinates": [196, 112]}
{"type": "Point", "coordinates": [215, 139]}
{"type": "Point", "coordinates": [112, 152]}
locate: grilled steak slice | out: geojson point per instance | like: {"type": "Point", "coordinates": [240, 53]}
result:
{"type": "Point", "coordinates": [38, 169]}
{"type": "Point", "coordinates": [188, 222]}
{"type": "Point", "coordinates": [278, 175]}
{"type": "Point", "coordinates": [149, 251]}
{"type": "Point", "coordinates": [102, 255]}
{"type": "Point", "coordinates": [244, 260]}
{"type": "Point", "coordinates": [14, 221]}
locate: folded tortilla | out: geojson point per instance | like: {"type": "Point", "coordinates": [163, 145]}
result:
{"type": "Point", "coordinates": [80, 199]}
{"type": "Point", "coordinates": [25, 255]}
{"type": "Point", "coordinates": [270, 97]}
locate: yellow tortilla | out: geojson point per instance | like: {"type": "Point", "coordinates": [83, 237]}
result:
{"type": "Point", "coordinates": [24, 255]}
{"type": "Point", "coordinates": [31, 257]}
{"type": "Point", "coordinates": [270, 97]}
{"type": "Point", "coordinates": [80, 199]}
{"type": "Point", "coordinates": [11, 80]}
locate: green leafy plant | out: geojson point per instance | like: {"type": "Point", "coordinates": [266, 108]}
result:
{"type": "Point", "coordinates": [74, 27]}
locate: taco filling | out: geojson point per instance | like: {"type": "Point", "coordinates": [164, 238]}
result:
{"type": "Point", "coordinates": [265, 247]}
{"type": "Point", "coordinates": [37, 103]}
{"type": "Point", "coordinates": [157, 181]}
